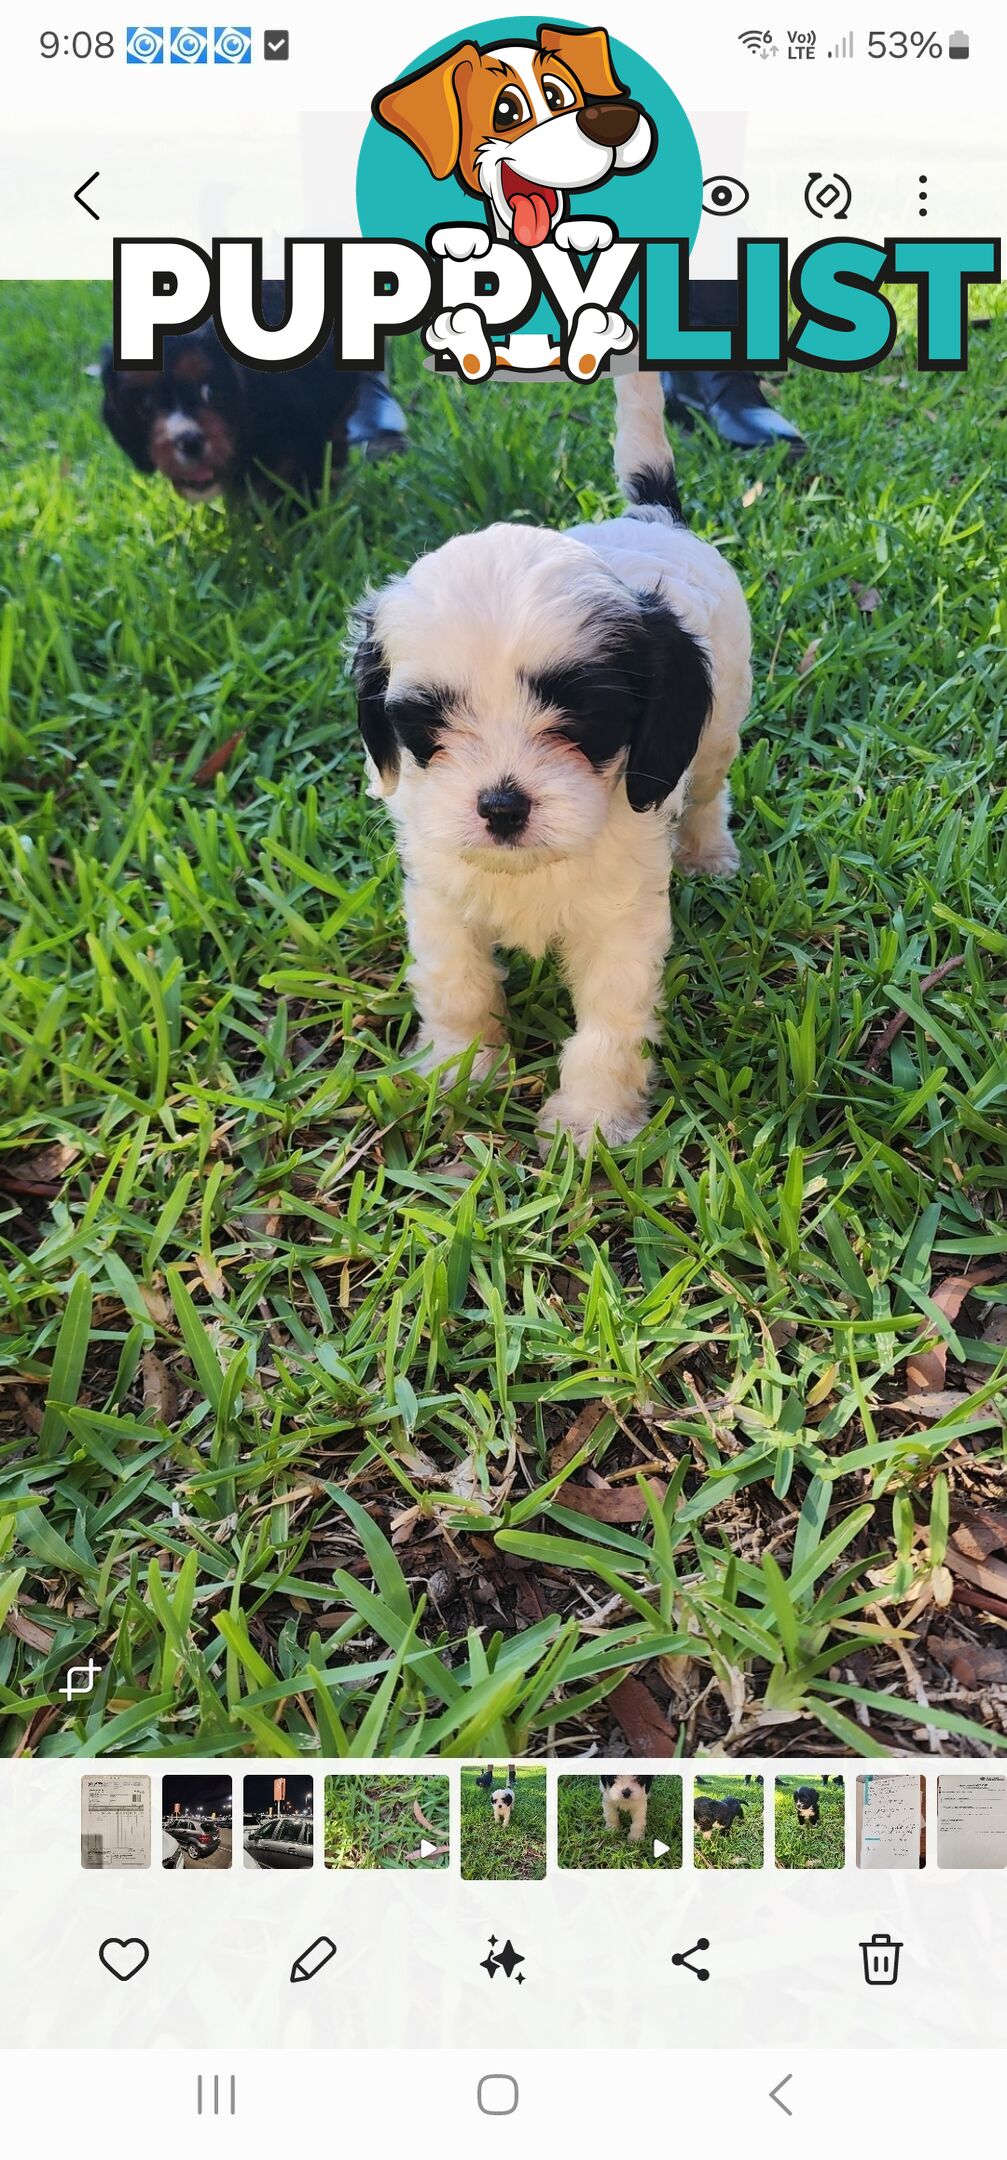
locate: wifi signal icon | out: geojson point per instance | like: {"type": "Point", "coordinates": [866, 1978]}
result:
{"type": "Point", "coordinates": [756, 41]}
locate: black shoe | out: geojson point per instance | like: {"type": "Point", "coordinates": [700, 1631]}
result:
{"type": "Point", "coordinates": [377, 424]}
{"type": "Point", "coordinates": [734, 405]}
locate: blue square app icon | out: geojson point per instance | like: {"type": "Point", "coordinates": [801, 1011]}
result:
{"type": "Point", "coordinates": [187, 45]}
{"type": "Point", "coordinates": [144, 45]}
{"type": "Point", "coordinates": [232, 45]}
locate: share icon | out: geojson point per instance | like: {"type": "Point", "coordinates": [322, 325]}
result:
{"type": "Point", "coordinates": [681, 1957]}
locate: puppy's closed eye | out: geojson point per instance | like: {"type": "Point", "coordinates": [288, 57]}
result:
{"type": "Point", "coordinates": [418, 719]}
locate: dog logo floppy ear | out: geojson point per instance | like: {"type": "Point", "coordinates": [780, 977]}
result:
{"type": "Point", "coordinates": [426, 108]}
{"type": "Point", "coordinates": [587, 54]}
{"type": "Point", "coordinates": [380, 740]}
{"type": "Point", "coordinates": [675, 706]}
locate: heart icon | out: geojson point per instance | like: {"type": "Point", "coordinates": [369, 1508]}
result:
{"type": "Point", "coordinates": [124, 1959]}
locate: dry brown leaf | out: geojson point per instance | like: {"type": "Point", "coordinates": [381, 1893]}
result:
{"type": "Point", "coordinates": [972, 1665]}
{"type": "Point", "coordinates": [867, 597]}
{"type": "Point", "coordinates": [575, 1436]}
{"type": "Point", "coordinates": [988, 1575]}
{"type": "Point", "coordinates": [29, 1631]}
{"type": "Point", "coordinates": [31, 1412]}
{"type": "Point", "coordinates": [421, 1818]}
{"type": "Point", "coordinates": [160, 1395]}
{"type": "Point", "coordinates": [678, 1669]}
{"type": "Point", "coordinates": [156, 1303]}
{"type": "Point", "coordinates": [751, 494]}
{"type": "Point", "coordinates": [217, 759]}
{"type": "Point", "coordinates": [642, 1720]}
{"type": "Point", "coordinates": [609, 1503]}
{"type": "Point", "coordinates": [937, 1405]}
{"type": "Point", "coordinates": [808, 656]}
{"type": "Point", "coordinates": [926, 1368]}
{"type": "Point", "coordinates": [209, 1269]}
{"type": "Point", "coordinates": [979, 1533]}
{"type": "Point", "coordinates": [40, 1174]}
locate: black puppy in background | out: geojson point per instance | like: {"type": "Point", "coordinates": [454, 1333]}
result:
{"type": "Point", "coordinates": [212, 425]}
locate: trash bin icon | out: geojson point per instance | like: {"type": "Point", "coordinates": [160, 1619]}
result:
{"type": "Point", "coordinates": [958, 45]}
{"type": "Point", "coordinates": [881, 1961]}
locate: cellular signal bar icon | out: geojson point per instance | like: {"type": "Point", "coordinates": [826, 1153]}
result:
{"type": "Point", "coordinates": [844, 49]}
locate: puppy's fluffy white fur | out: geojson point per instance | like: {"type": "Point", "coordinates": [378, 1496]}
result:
{"type": "Point", "coordinates": [465, 666]}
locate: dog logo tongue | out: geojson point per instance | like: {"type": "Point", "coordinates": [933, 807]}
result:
{"type": "Point", "coordinates": [531, 220]}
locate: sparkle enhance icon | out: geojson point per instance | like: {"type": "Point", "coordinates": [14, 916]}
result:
{"type": "Point", "coordinates": [506, 1961]}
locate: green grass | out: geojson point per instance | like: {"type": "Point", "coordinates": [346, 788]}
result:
{"type": "Point", "coordinates": [371, 1822]}
{"type": "Point", "coordinates": [584, 1842]}
{"type": "Point", "coordinates": [287, 1343]}
{"type": "Point", "coordinates": [492, 1852]}
{"type": "Point", "coordinates": [821, 1845]}
{"type": "Point", "coordinates": [742, 1845]}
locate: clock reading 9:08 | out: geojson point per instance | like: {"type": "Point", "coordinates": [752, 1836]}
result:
{"type": "Point", "coordinates": [83, 44]}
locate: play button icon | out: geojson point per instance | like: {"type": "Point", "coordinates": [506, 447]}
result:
{"type": "Point", "coordinates": [426, 1849]}
{"type": "Point", "coordinates": [660, 1849]}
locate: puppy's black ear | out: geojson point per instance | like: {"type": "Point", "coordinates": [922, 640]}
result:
{"type": "Point", "coordinates": [370, 675]}
{"type": "Point", "coordinates": [675, 706]}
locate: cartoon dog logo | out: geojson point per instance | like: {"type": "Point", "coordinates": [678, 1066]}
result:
{"type": "Point", "coordinates": [523, 126]}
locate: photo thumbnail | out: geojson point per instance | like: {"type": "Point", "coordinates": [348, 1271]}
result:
{"type": "Point", "coordinates": [114, 1821]}
{"type": "Point", "coordinates": [727, 1821]}
{"type": "Point", "coordinates": [278, 1820]}
{"type": "Point", "coordinates": [196, 1821]}
{"type": "Point", "coordinates": [809, 1821]}
{"type": "Point", "coordinates": [503, 1822]}
{"type": "Point", "coordinates": [623, 1819]}
{"type": "Point", "coordinates": [891, 1821]}
{"type": "Point", "coordinates": [383, 1821]}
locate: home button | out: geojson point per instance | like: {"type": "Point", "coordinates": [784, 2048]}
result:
{"type": "Point", "coordinates": [497, 2095]}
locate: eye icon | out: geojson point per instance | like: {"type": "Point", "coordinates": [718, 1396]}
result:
{"type": "Point", "coordinates": [188, 46]}
{"type": "Point", "coordinates": [144, 45]}
{"type": "Point", "coordinates": [724, 197]}
{"type": "Point", "coordinates": [232, 45]}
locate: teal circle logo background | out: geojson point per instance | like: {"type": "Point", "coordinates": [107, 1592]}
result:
{"type": "Point", "coordinates": [399, 199]}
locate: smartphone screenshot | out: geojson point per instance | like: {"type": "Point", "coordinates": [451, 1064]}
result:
{"type": "Point", "coordinates": [503, 1080]}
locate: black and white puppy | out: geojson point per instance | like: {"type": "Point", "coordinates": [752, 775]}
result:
{"type": "Point", "coordinates": [551, 718]}
{"type": "Point", "coordinates": [626, 1796]}
{"type": "Point", "coordinates": [503, 1804]}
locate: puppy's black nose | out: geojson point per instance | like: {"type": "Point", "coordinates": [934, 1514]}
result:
{"type": "Point", "coordinates": [191, 443]}
{"type": "Point", "coordinates": [504, 809]}
{"type": "Point", "coordinates": [627, 1792]}
{"type": "Point", "coordinates": [609, 125]}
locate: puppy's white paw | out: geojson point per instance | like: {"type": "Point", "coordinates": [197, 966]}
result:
{"type": "Point", "coordinates": [596, 333]}
{"type": "Point", "coordinates": [617, 1124]}
{"type": "Point", "coordinates": [584, 236]}
{"type": "Point", "coordinates": [460, 242]}
{"type": "Point", "coordinates": [718, 858]}
{"type": "Point", "coordinates": [434, 1051]}
{"type": "Point", "coordinates": [461, 332]}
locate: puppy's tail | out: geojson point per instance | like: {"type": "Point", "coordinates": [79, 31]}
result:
{"type": "Point", "coordinates": [644, 465]}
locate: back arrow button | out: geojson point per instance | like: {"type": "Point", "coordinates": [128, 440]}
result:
{"type": "Point", "coordinates": [777, 2089]}
{"type": "Point", "coordinates": [79, 194]}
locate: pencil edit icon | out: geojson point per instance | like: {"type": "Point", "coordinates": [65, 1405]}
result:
{"type": "Point", "coordinates": [313, 1958]}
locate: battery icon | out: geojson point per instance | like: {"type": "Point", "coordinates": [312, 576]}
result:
{"type": "Point", "coordinates": [958, 45]}
{"type": "Point", "coordinates": [881, 1961]}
